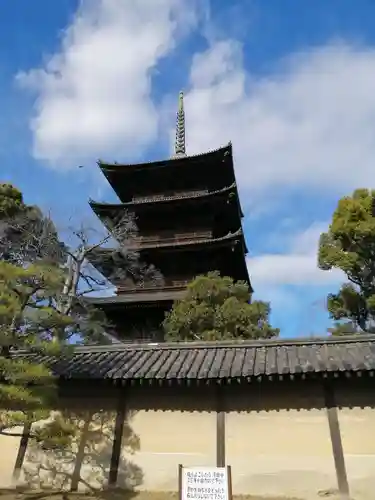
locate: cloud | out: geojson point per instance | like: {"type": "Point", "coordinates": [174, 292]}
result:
{"type": "Point", "coordinates": [297, 266]}
{"type": "Point", "coordinates": [93, 97]}
{"type": "Point", "coordinates": [310, 124]}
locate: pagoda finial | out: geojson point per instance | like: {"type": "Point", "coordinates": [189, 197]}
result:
{"type": "Point", "coordinates": [180, 146]}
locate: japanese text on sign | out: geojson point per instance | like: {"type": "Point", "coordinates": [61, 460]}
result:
{"type": "Point", "coordinates": [204, 483]}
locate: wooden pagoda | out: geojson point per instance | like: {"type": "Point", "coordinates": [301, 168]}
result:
{"type": "Point", "coordinates": [188, 218]}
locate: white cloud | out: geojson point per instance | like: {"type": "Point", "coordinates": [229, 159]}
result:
{"type": "Point", "coordinates": [298, 266]}
{"type": "Point", "coordinates": [310, 124]}
{"type": "Point", "coordinates": [93, 97]}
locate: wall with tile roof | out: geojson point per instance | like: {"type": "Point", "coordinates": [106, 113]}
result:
{"type": "Point", "coordinates": [277, 434]}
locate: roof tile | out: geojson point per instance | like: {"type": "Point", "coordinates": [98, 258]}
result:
{"type": "Point", "coordinates": [193, 363]}
{"type": "Point", "coordinates": [249, 362]}
{"type": "Point", "coordinates": [236, 370]}
{"type": "Point", "coordinates": [217, 365]}
{"type": "Point", "coordinates": [170, 361]}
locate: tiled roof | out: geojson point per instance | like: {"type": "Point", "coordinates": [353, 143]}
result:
{"type": "Point", "coordinates": [119, 167]}
{"type": "Point", "coordinates": [237, 235]}
{"type": "Point", "coordinates": [157, 295]}
{"type": "Point", "coordinates": [213, 361]}
{"type": "Point", "coordinates": [99, 207]}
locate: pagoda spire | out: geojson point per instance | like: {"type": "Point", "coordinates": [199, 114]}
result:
{"type": "Point", "coordinates": [180, 146]}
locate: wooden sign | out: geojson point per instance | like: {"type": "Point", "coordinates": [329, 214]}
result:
{"type": "Point", "coordinates": [205, 483]}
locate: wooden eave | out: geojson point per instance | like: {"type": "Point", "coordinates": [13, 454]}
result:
{"type": "Point", "coordinates": [179, 244]}
{"type": "Point", "coordinates": [178, 198]}
{"type": "Point", "coordinates": [150, 297]}
{"type": "Point", "coordinates": [180, 160]}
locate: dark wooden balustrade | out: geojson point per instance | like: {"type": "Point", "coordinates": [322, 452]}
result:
{"type": "Point", "coordinates": [169, 196]}
{"type": "Point", "coordinates": [165, 285]}
{"type": "Point", "coordinates": [168, 238]}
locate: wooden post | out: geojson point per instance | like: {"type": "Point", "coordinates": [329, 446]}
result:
{"type": "Point", "coordinates": [117, 440]}
{"type": "Point", "coordinates": [229, 476]}
{"type": "Point", "coordinates": [21, 452]}
{"type": "Point", "coordinates": [220, 430]}
{"type": "Point", "coordinates": [337, 449]}
{"type": "Point", "coordinates": [180, 466]}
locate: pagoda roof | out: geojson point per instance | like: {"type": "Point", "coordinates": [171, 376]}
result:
{"type": "Point", "coordinates": [141, 297]}
{"type": "Point", "coordinates": [163, 199]}
{"type": "Point", "coordinates": [182, 173]}
{"type": "Point", "coordinates": [176, 160]}
{"type": "Point", "coordinates": [182, 243]}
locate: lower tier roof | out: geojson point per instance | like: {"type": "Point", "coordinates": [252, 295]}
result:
{"type": "Point", "coordinates": [226, 256]}
{"type": "Point", "coordinates": [184, 244]}
{"type": "Point", "coordinates": [102, 208]}
{"type": "Point", "coordinates": [147, 297]}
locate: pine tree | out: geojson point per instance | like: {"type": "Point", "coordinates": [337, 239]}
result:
{"type": "Point", "coordinates": [30, 322]}
{"type": "Point", "coordinates": [349, 245]}
{"type": "Point", "coordinates": [217, 308]}
{"type": "Point", "coordinates": [43, 283]}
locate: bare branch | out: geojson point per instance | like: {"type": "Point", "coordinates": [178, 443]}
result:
{"type": "Point", "coordinates": [32, 236]}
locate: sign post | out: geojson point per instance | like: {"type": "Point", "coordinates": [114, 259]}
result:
{"type": "Point", "coordinates": [205, 483]}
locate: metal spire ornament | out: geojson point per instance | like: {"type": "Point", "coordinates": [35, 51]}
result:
{"type": "Point", "coordinates": [180, 146]}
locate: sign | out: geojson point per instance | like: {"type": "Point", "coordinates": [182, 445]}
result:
{"type": "Point", "coordinates": [205, 483]}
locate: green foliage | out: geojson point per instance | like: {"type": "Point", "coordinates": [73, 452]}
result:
{"type": "Point", "coordinates": [11, 201]}
{"type": "Point", "coordinates": [348, 328]}
{"type": "Point", "coordinates": [349, 245]}
{"type": "Point", "coordinates": [29, 239]}
{"type": "Point", "coordinates": [30, 285]}
{"type": "Point", "coordinates": [217, 308]}
{"type": "Point", "coordinates": [29, 320]}
{"type": "Point", "coordinates": [40, 311]}
{"type": "Point", "coordinates": [57, 433]}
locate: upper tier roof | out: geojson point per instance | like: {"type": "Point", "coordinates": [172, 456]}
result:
{"type": "Point", "coordinates": [208, 156]}
{"type": "Point", "coordinates": [212, 170]}
{"type": "Point", "coordinates": [162, 199]}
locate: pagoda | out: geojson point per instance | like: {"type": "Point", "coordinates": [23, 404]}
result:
{"type": "Point", "coordinates": [188, 218]}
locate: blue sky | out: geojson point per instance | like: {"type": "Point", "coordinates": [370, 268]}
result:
{"type": "Point", "coordinates": [290, 83]}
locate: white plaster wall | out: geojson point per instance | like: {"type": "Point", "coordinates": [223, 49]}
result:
{"type": "Point", "coordinates": [357, 427]}
{"type": "Point", "coordinates": [170, 438]}
{"type": "Point", "coordinates": [8, 453]}
{"type": "Point", "coordinates": [285, 452]}
{"type": "Point", "coordinates": [54, 469]}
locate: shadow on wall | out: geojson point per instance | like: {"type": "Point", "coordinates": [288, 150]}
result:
{"type": "Point", "coordinates": [85, 464]}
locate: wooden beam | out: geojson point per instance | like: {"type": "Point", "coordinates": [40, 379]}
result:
{"type": "Point", "coordinates": [117, 440]}
{"type": "Point", "coordinates": [337, 448]}
{"type": "Point", "coordinates": [220, 430]}
{"type": "Point", "coordinates": [21, 452]}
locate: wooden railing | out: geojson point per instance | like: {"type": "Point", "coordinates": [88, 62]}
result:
{"type": "Point", "coordinates": [169, 195]}
{"type": "Point", "coordinates": [167, 238]}
{"type": "Point", "coordinates": [166, 285]}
